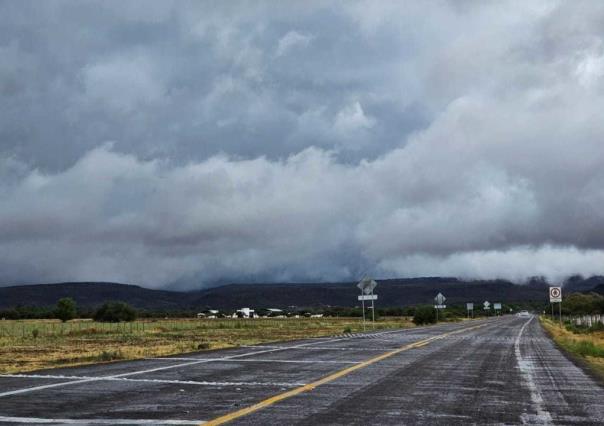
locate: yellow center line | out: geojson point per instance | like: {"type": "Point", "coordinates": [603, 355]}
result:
{"type": "Point", "coordinates": [331, 377]}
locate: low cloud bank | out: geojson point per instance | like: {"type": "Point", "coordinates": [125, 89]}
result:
{"type": "Point", "coordinates": [422, 209]}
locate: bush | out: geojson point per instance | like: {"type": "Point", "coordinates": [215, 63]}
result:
{"type": "Point", "coordinates": [107, 356]}
{"type": "Point", "coordinates": [582, 304]}
{"type": "Point", "coordinates": [424, 315]}
{"type": "Point", "coordinates": [203, 346]}
{"type": "Point", "coordinates": [115, 312]}
{"type": "Point", "coordinates": [66, 309]}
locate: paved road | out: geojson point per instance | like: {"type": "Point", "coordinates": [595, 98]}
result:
{"type": "Point", "coordinates": [500, 371]}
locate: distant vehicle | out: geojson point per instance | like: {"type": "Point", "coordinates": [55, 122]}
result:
{"type": "Point", "coordinates": [523, 314]}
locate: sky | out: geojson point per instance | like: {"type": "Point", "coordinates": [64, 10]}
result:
{"type": "Point", "coordinates": [186, 144]}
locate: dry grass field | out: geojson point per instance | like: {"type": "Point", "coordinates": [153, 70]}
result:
{"type": "Point", "coordinates": [589, 346]}
{"type": "Point", "coordinates": [34, 344]}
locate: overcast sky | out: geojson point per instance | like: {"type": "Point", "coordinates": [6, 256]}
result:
{"type": "Point", "coordinates": [185, 144]}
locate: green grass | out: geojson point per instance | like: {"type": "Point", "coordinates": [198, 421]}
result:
{"type": "Point", "coordinates": [582, 342]}
{"type": "Point", "coordinates": [586, 348]}
{"type": "Point", "coordinates": [584, 329]}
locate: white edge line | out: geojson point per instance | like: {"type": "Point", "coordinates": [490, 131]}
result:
{"type": "Point", "coordinates": [37, 420]}
{"type": "Point", "coordinates": [132, 373]}
{"type": "Point", "coordinates": [329, 348]}
{"type": "Point", "coordinates": [287, 361]}
{"type": "Point", "coordinates": [176, 382]}
{"type": "Point", "coordinates": [526, 368]}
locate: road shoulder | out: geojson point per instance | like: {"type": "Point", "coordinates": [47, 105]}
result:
{"type": "Point", "coordinates": [593, 370]}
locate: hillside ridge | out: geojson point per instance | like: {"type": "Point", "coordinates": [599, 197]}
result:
{"type": "Point", "coordinates": [391, 292]}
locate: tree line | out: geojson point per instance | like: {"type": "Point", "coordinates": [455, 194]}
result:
{"type": "Point", "coordinates": [67, 309]}
{"type": "Point", "coordinates": [117, 311]}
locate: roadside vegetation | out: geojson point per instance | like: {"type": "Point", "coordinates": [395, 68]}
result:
{"type": "Point", "coordinates": [583, 304]}
{"type": "Point", "coordinates": [27, 345]}
{"type": "Point", "coordinates": [425, 314]}
{"type": "Point", "coordinates": [584, 342]}
{"type": "Point", "coordinates": [36, 338]}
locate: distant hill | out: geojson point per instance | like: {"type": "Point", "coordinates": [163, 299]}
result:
{"type": "Point", "coordinates": [599, 289]}
{"type": "Point", "coordinates": [580, 284]}
{"type": "Point", "coordinates": [393, 292]}
{"type": "Point", "coordinates": [89, 294]}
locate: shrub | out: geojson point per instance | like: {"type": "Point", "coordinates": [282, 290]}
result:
{"type": "Point", "coordinates": [597, 327]}
{"type": "Point", "coordinates": [66, 309]}
{"type": "Point", "coordinates": [203, 345]}
{"type": "Point", "coordinates": [424, 315]}
{"type": "Point", "coordinates": [106, 356]}
{"type": "Point", "coordinates": [347, 330]}
{"type": "Point", "coordinates": [115, 312]}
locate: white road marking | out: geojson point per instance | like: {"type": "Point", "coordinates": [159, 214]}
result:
{"type": "Point", "coordinates": [526, 369]}
{"type": "Point", "coordinates": [177, 382]}
{"type": "Point", "coordinates": [184, 364]}
{"type": "Point", "coordinates": [331, 348]}
{"type": "Point", "coordinates": [292, 361]}
{"type": "Point", "coordinates": [37, 420]}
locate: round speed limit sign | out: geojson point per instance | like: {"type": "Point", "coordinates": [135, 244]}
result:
{"type": "Point", "coordinates": [555, 294]}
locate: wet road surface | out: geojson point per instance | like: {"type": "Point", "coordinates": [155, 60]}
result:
{"type": "Point", "coordinates": [496, 371]}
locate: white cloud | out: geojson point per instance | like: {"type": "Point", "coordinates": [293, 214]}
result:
{"type": "Point", "coordinates": [114, 216]}
{"type": "Point", "coordinates": [352, 118]}
{"type": "Point", "coordinates": [122, 83]}
{"type": "Point", "coordinates": [292, 40]}
{"type": "Point", "coordinates": [554, 263]}
{"type": "Point", "coordinates": [428, 138]}
{"type": "Point", "coordinates": [590, 69]}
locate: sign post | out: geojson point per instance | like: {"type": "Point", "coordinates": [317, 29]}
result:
{"type": "Point", "coordinates": [497, 308]}
{"type": "Point", "coordinates": [555, 296]}
{"type": "Point", "coordinates": [439, 301]}
{"type": "Point", "coordinates": [373, 308]}
{"type": "Point", "coordinates": [470, 309]}
{"type": "Point", "coordinates": [366, 285]}
{"type": "Point", "coordinates": [486, 306]}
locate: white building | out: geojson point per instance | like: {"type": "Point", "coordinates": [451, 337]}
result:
{"type": "Point", "coordinates": [244, 313]}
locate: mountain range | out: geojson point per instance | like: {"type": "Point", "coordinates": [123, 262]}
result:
{"type": "Point", "coordinates": [391, 293]}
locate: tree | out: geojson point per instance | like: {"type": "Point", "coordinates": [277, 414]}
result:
{"type": "Point", "coordinates": [424, 315]}
{"type": "Point", "coordinates": [66, 309]}
{"type": "Point", "coordinates": [581, 304]}
{"type": "Point", "coordinates": [115, 312]}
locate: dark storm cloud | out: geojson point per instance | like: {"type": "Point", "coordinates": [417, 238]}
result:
{"type": "Point", "coordinates": [188, 81]}
{"type": "Point", "coordinates": [189, 143]}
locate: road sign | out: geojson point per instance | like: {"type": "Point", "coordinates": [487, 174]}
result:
{"type": "Point", "coordinates": [469, 306]}
{"type": "Point", "coordinates": [367, 285]}
{"type": "Point", "coordinates": [555, 294]}
{"type": "Point", "coordinates": [440, 306]}
{"type": "Point", "coordinates": [486, 306]}
{"type": "Point", "coordinates": [368, 297]}
{"type": "Point", "coordinates": [497, 306]}
{"type": "Point", "coordinates": [440, 299]}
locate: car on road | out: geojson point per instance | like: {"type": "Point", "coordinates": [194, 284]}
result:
{"type": "Point", "coordinates": [523, 314]}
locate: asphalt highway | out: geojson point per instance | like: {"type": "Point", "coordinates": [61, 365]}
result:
{"type": "Point", "coordinates": [498, 371]}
